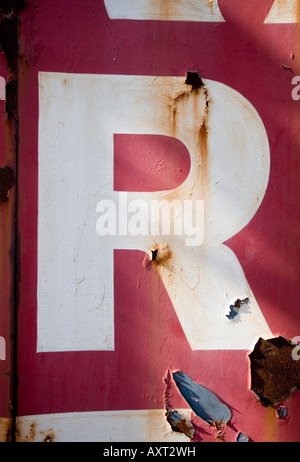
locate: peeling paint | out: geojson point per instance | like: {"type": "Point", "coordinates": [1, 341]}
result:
{"type": "Point", "coordinates": [179, 424]}
{"type": "Point", "coordinates": [275, 375]}
{"type": "Point", "coordinates": [281, 412]}
{"type": "Point", "coordinates": [242, 438]}
{"type": "Point", "coordinates": [202, 401]}
{"type": "Point", "coordinates": [236, 307]}
{"type": "Point", "coordinates": [176, 420]}
{"type": "Point", "coordinates": [5, 430]}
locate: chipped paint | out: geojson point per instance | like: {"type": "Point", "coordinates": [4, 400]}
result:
{"type": "Point", "coordinates": [235, 309]}
{"type": "Point", "coordinates": [282, 412]}
{"type": "Point", "coordinates": [202, 401]}
{"type": "Point", "coordinates": [5, 430]}
{"type": "Point", "coordinates": [242, 438]}
{"type": "Point", "coordinates": [179, 424]}
{"type": "Point", "coordinates": [161, 10]}
{"type": "Point", "coordinates": [177, 420]}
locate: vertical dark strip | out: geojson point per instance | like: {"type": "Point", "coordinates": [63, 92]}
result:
{"type": "Point", "coordinates": [9, 44]}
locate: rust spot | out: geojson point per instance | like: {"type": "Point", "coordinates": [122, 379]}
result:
{"type": "Point", "coordinates": [7, 181]}
{"type": "Point", "coordinates": [274, 373]}
{"type": "Point", "coordinates": [34, 435]}
{"type": "Point", "coordinates": [193, 79]}
{"type": "Point", "coordinates": [49, 436]}
{"type": "Point", "coordinates": [177, 422]}
{"type": "Point", "coordinates": [235, 308]}
{"type": "Point", "coordinates": [153, 254]}
{"type": "Point", "coordinates": [159, 255]}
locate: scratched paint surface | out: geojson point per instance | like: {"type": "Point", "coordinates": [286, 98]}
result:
{"type": "Point", "coordinates": [242, 53]}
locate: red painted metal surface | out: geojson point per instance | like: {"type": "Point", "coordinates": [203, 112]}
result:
{"type": "Point", "coordinates": [249, 56]}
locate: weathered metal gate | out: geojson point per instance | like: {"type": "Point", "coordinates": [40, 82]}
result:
{"type": "Point", "coordinates": [149, 189]}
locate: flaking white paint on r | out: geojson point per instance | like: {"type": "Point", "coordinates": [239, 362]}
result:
{"type": "Point", "coordinates": [79, 115]}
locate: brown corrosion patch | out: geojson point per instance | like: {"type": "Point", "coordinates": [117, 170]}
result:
{"type": "Point", "coordinates": [7, 181]}
{"type": "Point", "coordinates": [274, 372]}
{"type": "Point", "coordinates": [177, 422]}
{"type": "Point", "coordinates": [193, 79]}
{"type": "Point", "coordinates": [159, 254]}
{"type": "Point", "coordinates": [34, 435]}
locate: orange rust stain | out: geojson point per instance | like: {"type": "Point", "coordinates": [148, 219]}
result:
{"type": "Point", "coordinates": [36, 436]}
{"type": "Point", "coordinates": [271, 425]}
{"type": "Point", "coordinates": [163, 255]}
{"type": "Point", "coordinates": [165, 12]}
{"type": "Point", "coordinates": [5, 431]}
{"type": "Point", "coordinates": [203, 149]}
{"type": "Point", "coordinates": [210, 4]}
{"type": "Point", "coordinates": [201, 129]}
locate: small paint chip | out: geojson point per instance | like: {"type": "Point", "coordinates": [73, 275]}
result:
{"type": "Point", "coordinates": [154, 254]}
{"type": "Point", "coordinates": [202, 401]}
{"type": "Point", "coordinates": [235, 309]}
{"type": "Point", "coordinates": [242, 438]}
{"type": "Point", "coordinates": [281, 412]}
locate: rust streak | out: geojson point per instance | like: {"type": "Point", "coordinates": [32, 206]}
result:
{"type": "Point", "coordinates": [35, 435]}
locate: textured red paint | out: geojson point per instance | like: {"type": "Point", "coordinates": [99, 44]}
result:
{"type": "Point", "coordinates": [244, 54]}
{"type": "Point", "coordinates": [149, 162]}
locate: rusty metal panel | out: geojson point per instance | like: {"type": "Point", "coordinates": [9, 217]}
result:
{"type": "Point", "coordinates": [8, 211]}
{"type": "Point", "coordinates": [154, 259]}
